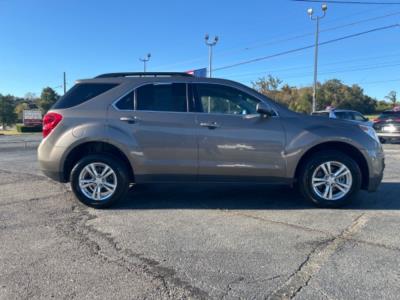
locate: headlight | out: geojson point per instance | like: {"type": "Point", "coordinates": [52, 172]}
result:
{"type": "Point", "coordinates": [370, 131]}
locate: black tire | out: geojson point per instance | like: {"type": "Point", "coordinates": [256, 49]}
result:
{"type": "Point", "coordinates": [116, 165]}
{"type": "Point", "coordinates": [382, 140]}
{"type": "Point", "coordinates": [307, 169]}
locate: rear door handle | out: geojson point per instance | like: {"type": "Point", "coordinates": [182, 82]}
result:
{"type": "Point", "coordinates": [209, 125]}
{"type": "Point", "coordinates": [129, 120]}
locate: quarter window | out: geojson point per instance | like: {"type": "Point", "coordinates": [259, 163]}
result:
{"type": "Point", "coordinates": [162, 97]}
{"type": "Point", "coordinates": [225, 100]}
{"type": "Point", "coordinates": [81, 93]}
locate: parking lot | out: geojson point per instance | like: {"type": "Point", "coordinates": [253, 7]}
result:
{"type": "Point", "coordinates": [198, 241]}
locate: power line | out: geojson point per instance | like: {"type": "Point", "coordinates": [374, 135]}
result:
{"type": "Point", "coordinates": [305, 47]}
{"type": "Point", "coordinates": [339, 71]}
{"type": "Point", "coordinates": [248, 74]}
{"type": "Point", "coordinates": [279, 41]}
{"type": "Point", "coordinates": [349, 2]}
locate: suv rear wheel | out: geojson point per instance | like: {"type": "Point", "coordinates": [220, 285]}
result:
{"type": "Point", "coordinates": [330, 179]}
{"type": "Point", "coordinates": [99, 180]}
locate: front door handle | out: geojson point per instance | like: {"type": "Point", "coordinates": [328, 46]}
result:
{"type": "Point", "coordinates": [129, 120]}
{"type": "Point", "coordinates": [209, 125]}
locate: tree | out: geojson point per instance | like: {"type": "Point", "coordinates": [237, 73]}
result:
{"type": "Point", "coordinates": [267, 85]}
{"type": "Point", "coordinates": [19, 109]}
{"type": "Point", "coordinates": [47, 98]}
{"type": "Point", "coordinates": [7, 115]}
{"type": "Point", "coordinates": [392, 97]}
{"type": "Point", "coordinates": [330, 93]}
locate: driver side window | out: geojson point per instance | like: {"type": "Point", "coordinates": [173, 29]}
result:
{"type": "Point", "coordinates": [221, 99]}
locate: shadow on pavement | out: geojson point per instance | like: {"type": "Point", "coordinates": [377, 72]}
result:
{"type": "Point", "coordinates": [252, 197]}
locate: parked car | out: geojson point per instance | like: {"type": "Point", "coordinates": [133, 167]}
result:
{"type": "Point", "coordinates": [122, 129]}
{"type": "Point", "coordinates": [344, 114]}
{"type": "Point", "coordinates": [387, 126]}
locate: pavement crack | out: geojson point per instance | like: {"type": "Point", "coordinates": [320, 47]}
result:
{"type": "Point", "coordinates": [104, 246]}
{"type": "Point", "coordinates": [295, 226]}
{"type": "Point", "coordinates": [315, 260]}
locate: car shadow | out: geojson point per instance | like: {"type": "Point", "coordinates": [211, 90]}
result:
{"type": "Point", "coordinates": [244, 197]}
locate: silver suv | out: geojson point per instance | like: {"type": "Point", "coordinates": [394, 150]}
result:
{"type": "Point", "coordinates": [122, 129]}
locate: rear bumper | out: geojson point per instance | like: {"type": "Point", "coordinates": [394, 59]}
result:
{"type": "Point", "coordinates": [388, 135]}
{"type": "Point", "coordinates": [56, 176]}
{"type": "Point", "coordinates": [49, 158]}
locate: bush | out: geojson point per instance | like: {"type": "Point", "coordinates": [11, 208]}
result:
{"type": "Point", "coordinates": [22, 128]}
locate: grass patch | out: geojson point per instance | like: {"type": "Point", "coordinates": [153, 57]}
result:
{"type": "Point", "coordinates": [371, 117]}
{"type": "Point", "coordinates": [9, 132]}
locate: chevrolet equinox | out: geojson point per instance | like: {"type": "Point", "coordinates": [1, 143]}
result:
{"type": "Point", "coordinates": [121, 129]}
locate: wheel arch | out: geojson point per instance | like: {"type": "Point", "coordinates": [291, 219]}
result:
{"type": "Point", "coordinates": [343, 147]}
{"type": "Point", "coordinates": [93, 147]}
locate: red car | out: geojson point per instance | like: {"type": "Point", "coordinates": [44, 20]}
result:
{"type": "Point", "coordinates": [387, 126]}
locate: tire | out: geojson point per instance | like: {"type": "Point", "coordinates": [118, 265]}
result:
{"type": "Point", "coordinates": [315, 189]}
{"type": "Point", "coordinates": [382, 140]}
{"type": "Point", "coordinates": [111, 188]}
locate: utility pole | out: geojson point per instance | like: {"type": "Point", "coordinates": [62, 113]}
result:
{"type": "Point", "coordinates": [145, 60]}
{"type": "Point", "coordinates": [310, 12]}
{"type": "Point", "coordinates": [65, 83]}
{"type": "Point", "coordinates": [210, 52]}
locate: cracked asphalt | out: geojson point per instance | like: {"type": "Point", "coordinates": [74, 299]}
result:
{"type": "Point", "coordinates": [198, 241]}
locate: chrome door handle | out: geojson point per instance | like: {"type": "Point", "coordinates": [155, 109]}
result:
{"type": "Point", "coordinates": [129, 120]}
{"type": "Point", "coordinates": [209, 125]}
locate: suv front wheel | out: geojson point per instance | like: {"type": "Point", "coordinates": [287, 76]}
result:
{"type": "Point", "coordinates": [330, 179]}
{"type": "Point", "coordinates": [99, 180]}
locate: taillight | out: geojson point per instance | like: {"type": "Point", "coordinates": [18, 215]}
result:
{"type": "Point", "coordinates": [376, 120]}
{"type": "Point", "coordinates": [50, 121]}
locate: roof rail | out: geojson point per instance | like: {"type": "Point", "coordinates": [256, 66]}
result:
{"type": "Point", "coordinates": [144, 74]}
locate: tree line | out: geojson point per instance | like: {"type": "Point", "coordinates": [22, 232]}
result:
{"type": "Point", "coordinates": [11, 107]}
{"type": "Point", "coordinates": [331, 93]}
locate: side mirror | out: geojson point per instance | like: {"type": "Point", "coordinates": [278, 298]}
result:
{"type": "Point", "coordinates": [264, 109]}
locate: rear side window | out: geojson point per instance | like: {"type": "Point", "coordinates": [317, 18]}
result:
{"type": "Point", "coordinates": [82, 92]}
{"type": "Point", "coordinates": [126, 102]}
{"type": "Point", "coordinates": [162, 97]}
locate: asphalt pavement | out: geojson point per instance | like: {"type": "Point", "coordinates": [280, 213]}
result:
{"type": "Point", "coordinates": [194, 241]}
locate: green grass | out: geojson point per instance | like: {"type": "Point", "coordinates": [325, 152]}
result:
{"type": "Point", "coordinates": [9, 132]}
{"type": "Point", "coordinates": [371, 117]}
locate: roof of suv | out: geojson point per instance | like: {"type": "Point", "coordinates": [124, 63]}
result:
{"type": "Point", "coordinates": [143, 74]}
{"type": "Point", "coordinates": [335, 110]}
{"type": "Point", "coordinates": [143, 77]}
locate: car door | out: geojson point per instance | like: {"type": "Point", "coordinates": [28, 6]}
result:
{"type": "Point", "coordinates": [235, 142]}
{"type": "Point", "coordinates": [162, 137]}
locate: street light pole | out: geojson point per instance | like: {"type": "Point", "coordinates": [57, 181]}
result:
{"type": "Point", "coordinates": [210, 52]}
{"type": "Point", "coordinates": [145, 60]}
{"type": "Point", "coordinates": [316, 18]}
{"type": "Point", "coordinates": [65, 82]}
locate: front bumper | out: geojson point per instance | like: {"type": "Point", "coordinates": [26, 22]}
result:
{"type": "Point", "coordinates": [376, 166]}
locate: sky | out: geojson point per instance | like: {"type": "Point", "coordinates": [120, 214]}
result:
{"type": "Point", "coordinates": [40, 39]}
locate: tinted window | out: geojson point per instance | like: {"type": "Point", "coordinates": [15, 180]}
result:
{"type": "Point", "coordinates": [162, 97]}
{"type": "Point", "coordinates": [344, 115]}
{"type": "Point", "coordinates": [321, 114]}
{"type": "Point", "coordinates": [126, 103]}
{"type": "Point", "coordinates": [82, 92]}
{"type": "Point", "coordinates": [389, 114]}
{"type": "Point", "coordinates": [226, 100]}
